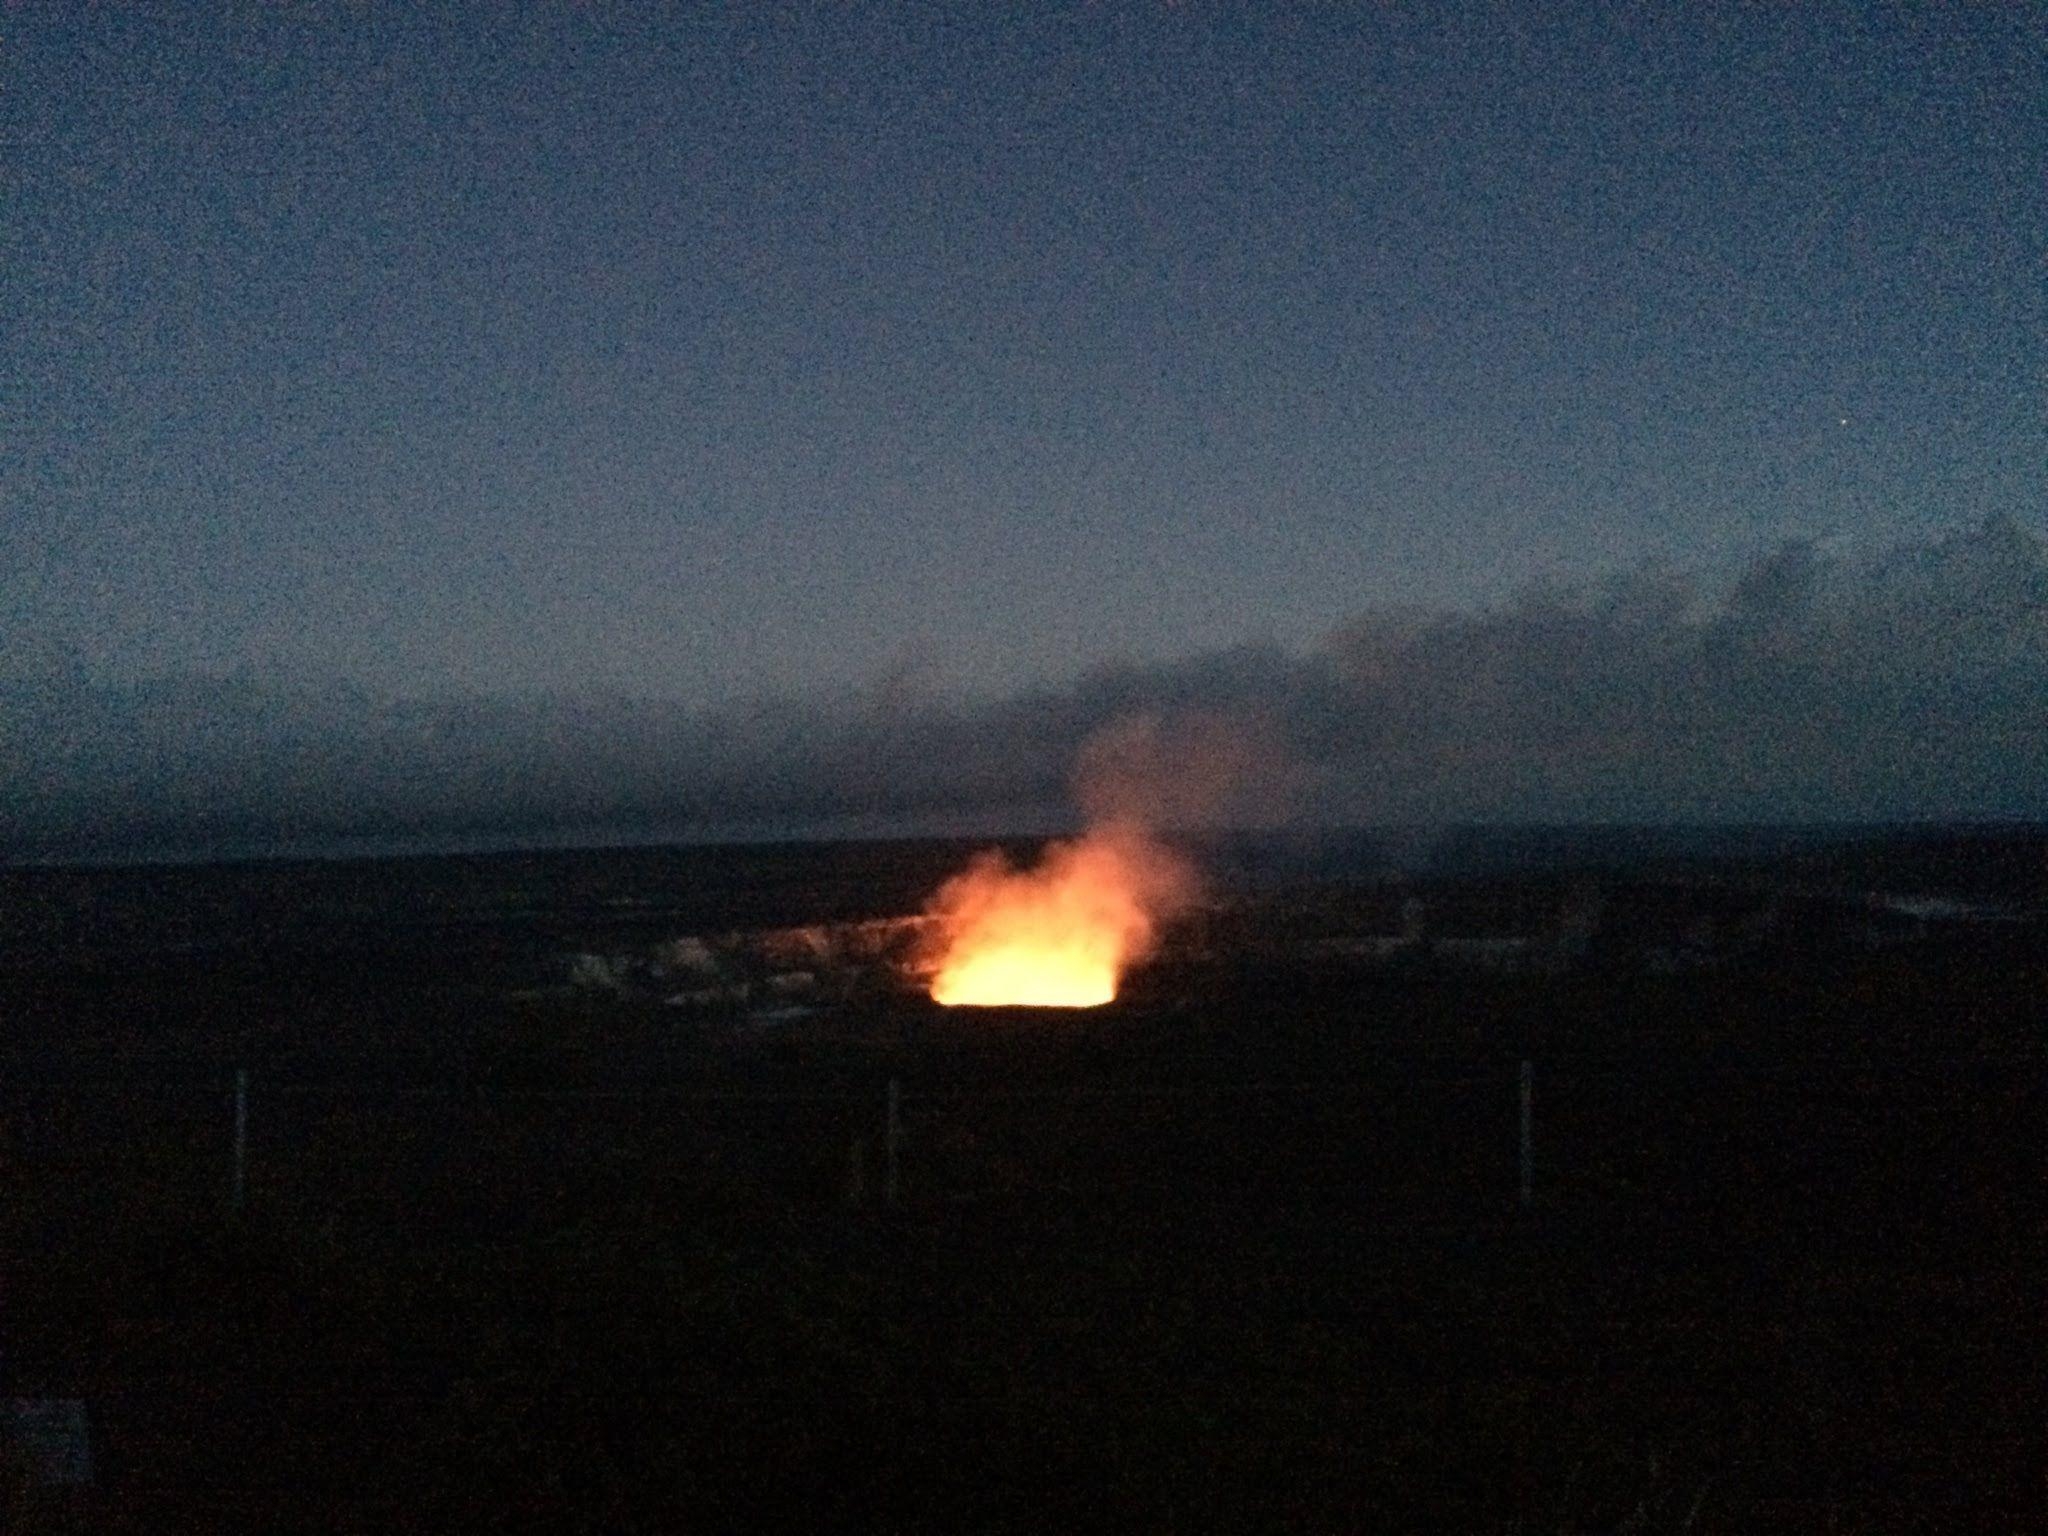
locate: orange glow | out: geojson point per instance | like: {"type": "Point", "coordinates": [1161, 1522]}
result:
{"type": "Point", "coordinates": [1060, 935]}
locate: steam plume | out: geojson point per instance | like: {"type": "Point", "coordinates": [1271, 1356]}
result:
{"type": "Point", "coordinates": [1064, 932]}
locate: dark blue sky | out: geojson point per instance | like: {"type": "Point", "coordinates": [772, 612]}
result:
{"type": "Point", "coordinates": [514, 419]}
{"type": "Point", "coordinates": [701, 352]}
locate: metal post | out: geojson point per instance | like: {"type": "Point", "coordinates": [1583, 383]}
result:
{"type": "Point", "coordinates": [892, 1141]}
{"type": "Point", "coordinates": [1528, 1132]}
{"type": "Point", "coordinates": [241, 1182]}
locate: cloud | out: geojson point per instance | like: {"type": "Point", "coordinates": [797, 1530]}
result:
{"type": "Point", "coordinates": [1197, 767]}
{"type": "Point", "coordinates": [1819, 685]}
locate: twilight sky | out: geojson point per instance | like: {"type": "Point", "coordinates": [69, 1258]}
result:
{"type": "Point", "coordinates": [499, 357]}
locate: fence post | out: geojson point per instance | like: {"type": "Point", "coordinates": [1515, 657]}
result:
{"type": "Point", "coordinates": [241, 1175]}
{"type": "Point", "coordinates": [892, 1140]}
{"type": "Point", "coordinates": [1528, 1132]}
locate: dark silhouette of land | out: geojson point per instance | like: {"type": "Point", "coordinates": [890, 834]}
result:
{"type": "Point", "coordinates": [568, 1194]}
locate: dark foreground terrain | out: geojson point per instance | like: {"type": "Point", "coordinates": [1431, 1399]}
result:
{"type": "Point", "coordinates": [1246, 1250]}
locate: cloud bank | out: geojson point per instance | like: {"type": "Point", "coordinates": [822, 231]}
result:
{"type": "Point", "coordinates": [1818, 686]}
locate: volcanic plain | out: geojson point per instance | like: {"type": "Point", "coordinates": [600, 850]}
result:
{"type": "Point", "coordinates": [1549, 1182]}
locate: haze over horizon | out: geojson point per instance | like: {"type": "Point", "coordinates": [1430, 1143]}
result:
{"type": "Point", "coordinates": [434, 423]}
{"type": "Point", "coordinates": [1817, 687]}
